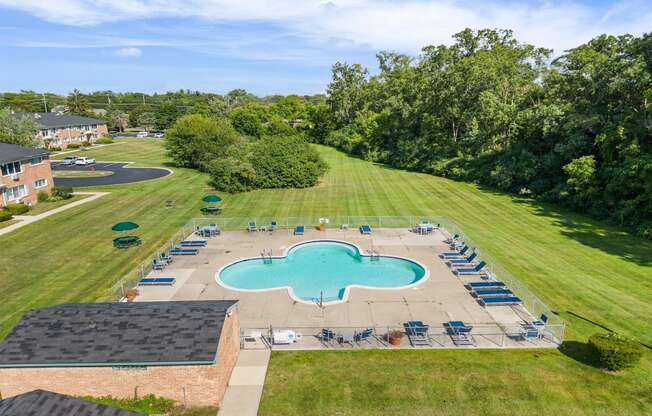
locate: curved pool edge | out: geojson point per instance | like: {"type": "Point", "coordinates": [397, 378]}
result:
{"type": "Point", "coordinates": [347, 289]}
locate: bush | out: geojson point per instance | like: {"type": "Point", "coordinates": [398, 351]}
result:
{"type": "Point", "coordinates": [17, 209]}
{"type": "Point", "coordinates": [616, 352]}
{"type": "Point", "coordinates": [5, 215]}
{"type": "Point", "coordinates": [108, 139]}
{"type": "Point", "coordinates": [86, 143]}
{"type": "Point", "coordinates": [54, 148]}
{"type": "Point", "coordinates": [62, 192]}
{"type": "Point", "coordinates": [43, 196]}
{"type": "Point", "coordinates": [286, 162]}
{"type": "Point", "coordinates": [74, 145]}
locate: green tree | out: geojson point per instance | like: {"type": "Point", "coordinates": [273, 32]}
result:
{"type": "Point", "coordinates": [196, 140]}
{"type": "Point", "coordinates": [147, 120]}
{"type": "Point", "coordinates": [18, 130]}
{"type": "Point", "coordinates": [77, 104]}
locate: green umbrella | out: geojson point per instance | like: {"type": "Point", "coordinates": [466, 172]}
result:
{"type": "Point", "coordinates": [211, 198]}
{"type": "Point", "coordinates": [125, 226]}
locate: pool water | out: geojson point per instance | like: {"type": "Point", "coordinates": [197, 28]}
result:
{"type": "Point", "coordinates": [321, 270]}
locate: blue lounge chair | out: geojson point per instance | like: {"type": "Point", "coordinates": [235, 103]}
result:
{"type": "Point", "coordinates": [157, 281]}
{"type": "Point", "coordinates": [459, 332]}
{"type": "Point", "coordinates": [481, 293]}
{"type": "Point", "coordinates": [542, 321]}
{"type": "Point", "coordinates": [299, 230]}
{"type": "Point", "coordinates": [364, 335]}
{"type": "Point", "coordinates": [500, 301]}
{"type": "Point", "coordinates": [417, 333]}
{"type": "Point", "coordinates": [455, 254]}
{"type": "Point", "coordinates": [252, 226]}
{"type": "Point", "coordinates": [273, 226]}
{"type": "Point", "coordinates": [327, 336]}
{"type": "Point", "coordinates": [474, 270]}
{"type": "Point", "coordinates": [463, 262]}
{"type": "Point", "coordinates": [193, 243]}
{"type": "Point", "coordinates": [184, 251]}
{"type": "Point", "coordinates": [365, 229]}
{"type": "Point", "coordinates": [485, 285]}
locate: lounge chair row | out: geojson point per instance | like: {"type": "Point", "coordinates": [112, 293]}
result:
{"type": "Point", "coordinates": [493, 293]}
{"type": "Point", "coordinates": [157, 281]}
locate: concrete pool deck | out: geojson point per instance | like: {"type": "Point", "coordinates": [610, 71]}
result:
{"type": "Point", "coordinates": [439, 299]}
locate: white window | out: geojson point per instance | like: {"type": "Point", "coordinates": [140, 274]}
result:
{"type": "Point", "coordinates": [15, 193]}
{"type": "Point", "coordinates": [11, 168]}
{"type": "Point", "coordinates": [40, 183]}
{"type": "Point", "coordinates": [36, 160]}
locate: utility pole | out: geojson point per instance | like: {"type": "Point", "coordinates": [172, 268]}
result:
{"type": "Point", "coordinates": [45, 103]}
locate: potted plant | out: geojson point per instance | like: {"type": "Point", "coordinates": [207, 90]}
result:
{"type": "Point", "coordinates": [131, 294]}
{"type": "Point", "coordinates": [394, 337]}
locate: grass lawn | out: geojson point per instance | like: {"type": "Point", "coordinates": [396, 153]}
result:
{"type": "Point", "coordinates": [591, 273]}
{"type": "Point", "coordinates": [7, 223]}
{"type": "Point", "coordinates": [448, 382]}
{"type": "Point", "coordinates": [42, 207]}
{"type": "Point", "coordinates": [81, 173]}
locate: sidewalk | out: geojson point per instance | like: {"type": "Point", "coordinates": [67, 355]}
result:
{"type": "Point", "coordinates": [246, 384]}
{"type": "Point", "coordinates": [28, 219]}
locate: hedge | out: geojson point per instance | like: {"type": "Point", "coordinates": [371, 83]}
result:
{"type": "Point", "coordinates": [616, 352]}
{"type": "Point", "coordinates": [5, 215]}
{"type": "Point", "coordinates": [17, 209]}
{"type": "Point", "coordinates": [63, 192]}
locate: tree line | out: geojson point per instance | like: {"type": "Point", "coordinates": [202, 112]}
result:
{"type": "Point", "coordinates": [576, 130]}
{"type": "Point", "coordinates": [135, 109]}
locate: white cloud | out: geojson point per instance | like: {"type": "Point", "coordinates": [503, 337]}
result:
{"type": "Point", "coordinates": [129, 52]}
{"type": "Point", "coordinates": [405, 25]}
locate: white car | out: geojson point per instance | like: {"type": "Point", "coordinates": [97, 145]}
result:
{"type": "Point", "coordinates": [159, 135]}
{"type": "Point", "coordinates": [69, 160]}
{"type": "Point", "coordinates": [84, 161]}
{"type": "Point", "coordinates": [142, 135]}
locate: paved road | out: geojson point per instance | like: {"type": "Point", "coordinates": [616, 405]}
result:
{"type": "Point", "coordinates": [121, 174]}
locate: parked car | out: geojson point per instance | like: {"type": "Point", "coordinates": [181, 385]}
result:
{"type": "Point", "coordinates": [84, 161]}
{"type": "Point", "coordinates": [159, 135]}
{"type": "Point", "coordinates": [142, 135]}
{"type": "Point", "coordinates": [69, 160]}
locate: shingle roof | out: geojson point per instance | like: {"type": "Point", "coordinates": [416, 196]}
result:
{"type": "Point", "coordinates": [117, 334]}
{"type": "Point", "coordinates": [52, 120]}
{"type": "Point", "coordinates": [14, 153]}
{"type": "Point", "coordinates": [47, 403]}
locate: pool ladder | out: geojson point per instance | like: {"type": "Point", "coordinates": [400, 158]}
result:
{"type": "Point", "coordinates": [266, 256]}
{"type": "Point", "coordinates": [374, 255]}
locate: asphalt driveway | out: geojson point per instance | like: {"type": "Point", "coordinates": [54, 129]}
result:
{"type": "Point", "coordinates": [121, 174]}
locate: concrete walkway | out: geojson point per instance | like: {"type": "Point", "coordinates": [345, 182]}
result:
{"type": "Point", "coordinates": [28, 219]}
{"type": "Point", "coordinates": [246, 384]}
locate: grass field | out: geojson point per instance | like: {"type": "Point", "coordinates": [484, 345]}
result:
{"type": "Point", "coordinates": [593, 274]}
{"type": "Point", "coordinates": [42, 207]}
{"type": "Point", "coordinates": [81, 173]}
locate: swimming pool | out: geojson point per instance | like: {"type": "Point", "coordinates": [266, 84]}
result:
{"type": "Point", "coordinates": [325, 268]}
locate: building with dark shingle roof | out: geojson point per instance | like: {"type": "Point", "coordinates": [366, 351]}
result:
{"type": "Point", "coordinates": [24, 172]}
{"type": "Point", "coordinates": [59, 129]}
{"type": "Point", "coordinates": [184, 351]}
{"type": "Point", "coordinates": [47, 403]}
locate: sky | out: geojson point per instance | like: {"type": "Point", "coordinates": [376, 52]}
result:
{"type": "Point", "coordinates": [265, 47]}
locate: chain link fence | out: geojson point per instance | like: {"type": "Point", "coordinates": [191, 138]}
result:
{"type": "Point", "coordinates": [531, 302]}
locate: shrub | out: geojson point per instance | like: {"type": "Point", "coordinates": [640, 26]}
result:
{"type": "Point", "coordinates": [616, 352]}
{"type": "Point", "coordinates": [108, 139]}
{"type": "Point", "coordinates": [43, 196]}
{"type": "Point", "coordinates": [54, 148]}
{"type": "Point", "coordinates": [62, 192]}
{"type": "Point", "coordinates": [74, 145]}
{"type": "Point", "coordinates": [5, 215]}
{"type": "Point", "coordinates": [286, 162]}
{"type": "Point", "coordinates": [17, 209]}
{"type": "Point", "coordinates": [86, 143]}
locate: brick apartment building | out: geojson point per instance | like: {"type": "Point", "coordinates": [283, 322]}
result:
{"type": "Point", "coordinates": [59, 129]}
{"type": "Point", "coordinates": [184, 351]}
{"type": "Point", "coordinates": [24, 172]}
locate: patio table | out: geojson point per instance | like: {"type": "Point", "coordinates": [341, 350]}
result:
{"type": "Point", "coordinates": [126, 241]}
